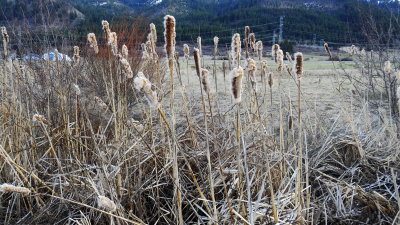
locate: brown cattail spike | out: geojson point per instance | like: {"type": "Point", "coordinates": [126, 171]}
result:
{"type": "Point", "coordinates": [270, 80]}
{"type": "Point", "coordinates": [106, 29]}
{"type": "Point", "coordinates": [76, 54]}
{"type": "Point", "coordinates": [252, 40]}
{"type": "Point", "coordinates": [169, 36]}
{"type": "Point", "coordinates": [259, 47]}
{"type": "Point", "coordinates": [9, 188]}
{"type": "Point", "coordinates": [6, 40]}
{"type": "Point", "coordinates": [237, 77]}
{"type": "Point", "coordinates": [216, 40]}
{"type": "Point", "coordinates": [275, 49]}
{"type": "Point", "coordinates": [196, 55]}
{"type": "Point", "coordinates": [252, 68]}
{"type": "Point", "coordinates": [186, 51]}
{"type": "Point", "coordinates": [236, 49]}
{"type": "Point", "coordinates": [204, 80]}
{"type": "Point", "coordinates": [299, 65]}
{"type": "Point", "coordinates": [93, 42]}
{"type": "Point", "coordinates": [328, 50]}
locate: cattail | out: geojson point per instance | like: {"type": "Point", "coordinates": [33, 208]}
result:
{"type": "Point", "coordinates": [289, 57]}
{"type": "Point", "coordinates": [216, 40]}
{"type": "Point", "coordinates": [106, 29]}
{"type": "Point", "coordinates": [196, 55]}
{"type": "Point", "coordinates": [299, 65]}
{"type": "Point", "coordinates": [114, 43]}
{"type": "Point", "coordinates": [76, 89]}
{"type": "Point", "coordinates": [204, 80]}
{"type": "Point", "coordinates": [39, 118]}
{"type": "Point", "coordinates": [353, 50]}
{"type": "Point", "coordinates": [56, 55]}
{"type": "Point", "coordinates": [252, 68]}
{"type": "Point", "coordinates": [144, 85]}
{"type": "Point", "coordinates": [237, 77]}
{"type": "Point", "coordinates": [151, 44]}
{"type": "Point", "coordinates": [246, 40]}
{"type": "Point", "coordinates": [125, 51]}
{"type": "Point", "coordinates": [328, 50]}
{"type": "Point", "coordinates": [252, 40]}
{"type": "Point", "coordinates": [275, 49]}
{"type": "Point", "coordinates": [76, 56]}
{"type": "Point", "coordinates": [264, 66]}
{"type": "Point", "coordinates": [186, 51]}
{"type": "Point", "coordinates": [270, 80]}
{"type": "Point", "coordinates": [169, 35]}
{"type": "Point", "coordinates": [388, 67]}
{"type": "Point", "coordinates": [280, 60]}
{"type": "Point", "coordinates": [259, 47]}
{"type": "Point", "coordinates": [9, 188]}
{"type": "Point", "coordinates": [236, 49]}
{"type": "Point", "coordinates": [153, 32]}
{"type": "Point", "coordinates": [6, 40]}
{"type": "Point", "coordinates": [126, 68]}
{"type": "Point", "coordinates": [199, 46]}
{"type": "Point", "coordinates": [106, 203]}
{"type": "Point", "coordinates": [93, 42]}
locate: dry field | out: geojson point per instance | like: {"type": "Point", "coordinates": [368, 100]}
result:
{"type": "Point", "coordinates": [95, 141]}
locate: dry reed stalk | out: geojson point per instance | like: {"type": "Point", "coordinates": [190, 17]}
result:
{"type": "Point", "coordinates": [6, 40]}
{"type": "Point", "coordinates": [259, 47]}
{"type": "Point", "coordinates": [125, 52]}
{"type": "Point", "coordinates": [289, 57]}
{"type": "Point", "coordinates": [274, 53]}
{"type": "Point", "coordinates": [76, 56]}
{"type": "Point", "coordinates": [299, 186]}
{"type": "Point", "coordinates": [106, 29]}
{"type": "Point", "coordinates": [236, 50]}
{"type": "Point", "coordinates": [328, 50]}
{"type": "Point", "coordinates": [93, 42]}
{"type": "Point", "coordinates": [9, 188]}
{"type": "Point", "coordinates": [246, 40]}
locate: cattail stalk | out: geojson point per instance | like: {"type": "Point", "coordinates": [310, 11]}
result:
{"type": "Point", "coordinates": [289, 57]}
{"type": "Point", "coordinates": [93, 42]}
{"type": "Point", "coordinates": [6, 40]}
{"type": "Point", "coordinates": [216, 40]}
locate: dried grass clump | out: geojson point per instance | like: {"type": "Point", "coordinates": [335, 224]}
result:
{"type": "Point", "coordinates": [236, 83]}
{"type": "Point", "coordinates": [144, 85]}
{"type": "Point", "coordinates": [298, 67]}
{"type": "Point", "coordinates": [186, 51]}
{"type": "Point", "coordinates": [9, 188]}
{"type": "Point", "coordinates": [93, 42]}
{"type": "Point", "coordinates": [236, 49]}
{"type": "Point", "coordinates": [106, 203]}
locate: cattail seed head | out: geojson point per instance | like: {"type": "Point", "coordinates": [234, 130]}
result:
{"type": "Point", "coordinates": [299, 64]}
{"type": "Point", "coordinates": [144, 85]}
{"type": "Point", "coordinates": [270, 80]}
{"type": "Point", "coordinates": [236, 48]}
{"type": "Point", "coordinates": [106, 29]}
{"type": "Point", "coordinates": [186, 51]}
{"type": "Point", "coordinates": [39, 118]}
{"type": "Point", "coordinates": [252, 42]}
{"type": "Point", "coordinates": [114, 43]}
{"type": "Point", "coordinates": [353, 50]}
{"type": "Point", "coordinates": [247, 32]}
{"type": "Point", "coordinates": [56, 55]}
{"type": "Point", "coordinates": [280, 60]}
{"type": "Point", "coordinates": [145, 53]}
{"type": "Point", "coordinates": [275, 49]}
{"type": "Point", "coordinates": [76, 89]}
{"type": "Point", "coordinates": [93, 42]}
{"type": "Point", "coordinates": [216, 40]}
{"type": "Point", "coordinates": [76, 54]}
{"type": "Point", "coordinates": [252, 68]}
{"type": "Point", "coordinates": [236, 82]}
{"type": "Point", "coordinates": [259, 47]}
{"type": "Point", "coordinates": [153, 32]}
{"type": "Point", "coordinates": [328, 50]}
{"type": "Point", "coordinates": [388, 67]}
{"type": "Point", "coordinates": [169, 35]}
{"type": "Point", "coordinates": [4, 33]}
{"type": "Point", "coordinates": [264, 65]}
{"type": "Point", "coordinates": [125, 51]}
{"type": "Point", "coordinates": [126, 67]}
{"type": "Point", "coordinates": [204, 80]}
{"type": "Point", "coordinates": [9, 188]}
{"type": "Point", "coordinates": [196, 55]}
{"type": "Point", "coordinates": [106, 203]}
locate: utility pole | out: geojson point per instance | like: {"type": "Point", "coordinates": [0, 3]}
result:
{"type": "Point", "coordinates": [280, 30]}
{"type": "Point", "coordinates": [273, 38]}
